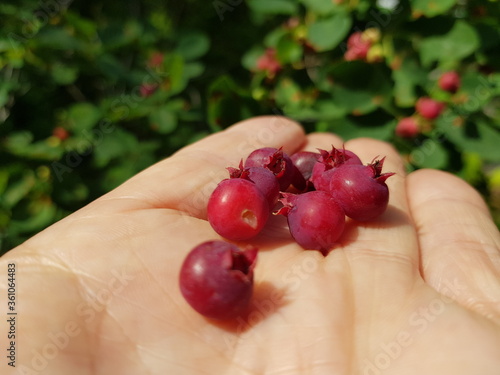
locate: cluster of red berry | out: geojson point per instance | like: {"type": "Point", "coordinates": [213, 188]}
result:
{"type": "Point", "coordinates": [427, 108]}
{"type": "Point", "coordinates": [364, 45]}
{"type": "Point", "coordinates": [314, 190]}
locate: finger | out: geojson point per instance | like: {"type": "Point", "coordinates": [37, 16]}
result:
{"type": "Point", "coordinates": [323, 141]}
{"type": "Point", "coordinates": [185, 180]}
{"type": "Point", "coordinates": [459, 243]}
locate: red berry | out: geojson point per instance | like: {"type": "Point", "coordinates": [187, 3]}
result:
{"type": "Point", "coordinates": [60, 132]}
{"type": "Point", "coordinates": [298, 180]}
{"type": "Point", "coordinates": [237, 209]}
{"type": "Point", "coordinates": [407, 127]}
{"type": "Point", "coordinates": [355, 39]}
{"type": "Point", "coordinates": [429, 108]}
{"type": "Point", "coordinates": [328, 161]}
{"type": "Point", "coordinates": [305, 161]}
{"type": "Point", "coordinates": [262, 177]}
{"type": "Point", "coordinates": [449, 81]}
{"type": "Point", "coordinates": [315, 219]}
{"type": "Point", "coordinates": [147, 89]}
{"type": "Point", "coordinates": [361, 190]}
{"type": "Point", "coordinates": [156, 59]}
{"type": "Point", "coordinates": [357, 48]}
{"type": "Point", "coordinates": [276, 161]}
{"type": "Point", "coordinates": [269, 62]}
{"type": "Point", "coordinates": [216, 279]}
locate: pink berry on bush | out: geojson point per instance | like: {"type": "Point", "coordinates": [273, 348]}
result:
{"type": "Point", "coordinates": [216, 279]}
{"type": "Point", "coordinates": [156, 59]}
{"type": "Point", "coordinates": [407, 127]}
{"type": "Point", "coordinates": [147, 89]}
{"type": "Point", "coordinates": [357, 47]}
{"type": "Point", "coordinates": [361, 190]}
{"type": "Point", "coordinates": [449, 81]}
{"type": "Point", "coordinates": [316, 221]}
{"type": "Point", "coordinates": [429, 108]}
{"type": "Point", "coordinates": [355, 39]}
{"type": "Point", "coordinates": [60, 133]}
{"type": "Point", "coordinates": [269, 62]}
{"type": "Point", "coordinates": [276, 161]}
{"type": "Point", "coordinates": [237, 209]}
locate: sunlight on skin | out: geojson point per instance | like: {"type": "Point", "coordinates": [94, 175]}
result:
{"type": "Point", "coordinates": [414, 292]}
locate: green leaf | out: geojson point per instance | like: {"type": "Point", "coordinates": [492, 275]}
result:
{"type": "Point", "coordinates": [288, 50]}
{"type": "Point", "coordinates": [360, 88]}
{"type": "Point", "coordinates": [489, 35]}
{"type": "Point", "coordinates": [41, 214]}
{"type": "Point", "coordinates": [5, 45]}
{"type": "Point", "coordinates": [138, 158]}
{"type": "Point", "coordinates": [474, 136]}
{"type": "Point", "coordinates": [321, 7]}
{"type": "Point", "coordinates": [18, 189]}
{"type": "Point", "coordinates": [272, 38]}
{"type": "Point", "coordinates": [21, 144]}
{"type": "Point", "coordinates": [249, 59]}
{"type": "Point", "coordinates": [83, 25]}
{"type": "Point", "coordinates": [429, 154]}
{"type": "Point", "coordinates": [174, 66]}
{"type": "Point", "coordinates": [5, 88]}
{"type": "Point", "coordinates": [287, 93]}
{"type": "Point", "coordinates": [82, 116]}
{"type": "Point", "coordinates": [372, 126]}
{"type": "Point", "coordinates": [325, 34]}
{"type": "Point", "coordinates": [273, 6]}
{"type": "Point", "coordinates": [192, 45]}
{"type": "Point", "coordinates": [119, 34]}
{"type": "Point", "coordinates": [193, 70]}
{"type": "Point", "coordinates": [227, 103]}
{"type": "Point", "coordinates": [4, 179]}
{"type": "Point", "coordinates": [41, 150]}
{"type": "Point", "coordinates": [57, 38]}
{"type": "Point", "coordinates": [477, 91]}
{"type": "Point", "coordinates": [461, 41]}
{"type": "Point", "coordinates": [431, 8]}
{"type": "Point", "coordinates": [406, 77]}
{"type": "Point", "coordinates": [321, 110]}
{"type": "Point", "coordinates": [163, 120]}
{"type": "Point", "coordinates": [113, 146]}
{"type": "Point", "coordinates": [492, 110]}
{"type": "Point", "coordinates": [472, 170]}
{"type": "Point", "coordinates": [354, 101]}
{"type": "Point", "coordinates": [111, 67]}
{"type": "Point", "coordinates": [64, 74]}
{"type": "Point", "coordinates": [18, 140]}
{"type": "Point", "coordinates": [328, 109]}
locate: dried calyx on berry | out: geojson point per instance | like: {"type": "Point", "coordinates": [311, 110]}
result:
{"type": "Point", "coordinates": [262, 177]}
{"type": "Point", "coordinates": [327, 162]}
{"type": "Point", "coordinates": [276, 161]}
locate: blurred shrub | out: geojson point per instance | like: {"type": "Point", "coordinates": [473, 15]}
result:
{"type": "Point", "coordinates": [92, 93]}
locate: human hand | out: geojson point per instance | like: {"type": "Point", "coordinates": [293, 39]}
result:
{"type": "Point", "coordinates": [416, 291]}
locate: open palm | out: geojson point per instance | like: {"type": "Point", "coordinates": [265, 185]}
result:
{"type": "Point", "coordinates": [415, 292]}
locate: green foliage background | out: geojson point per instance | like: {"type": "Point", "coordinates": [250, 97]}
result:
{"type": "Point", "coordinates": [93, 92]}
